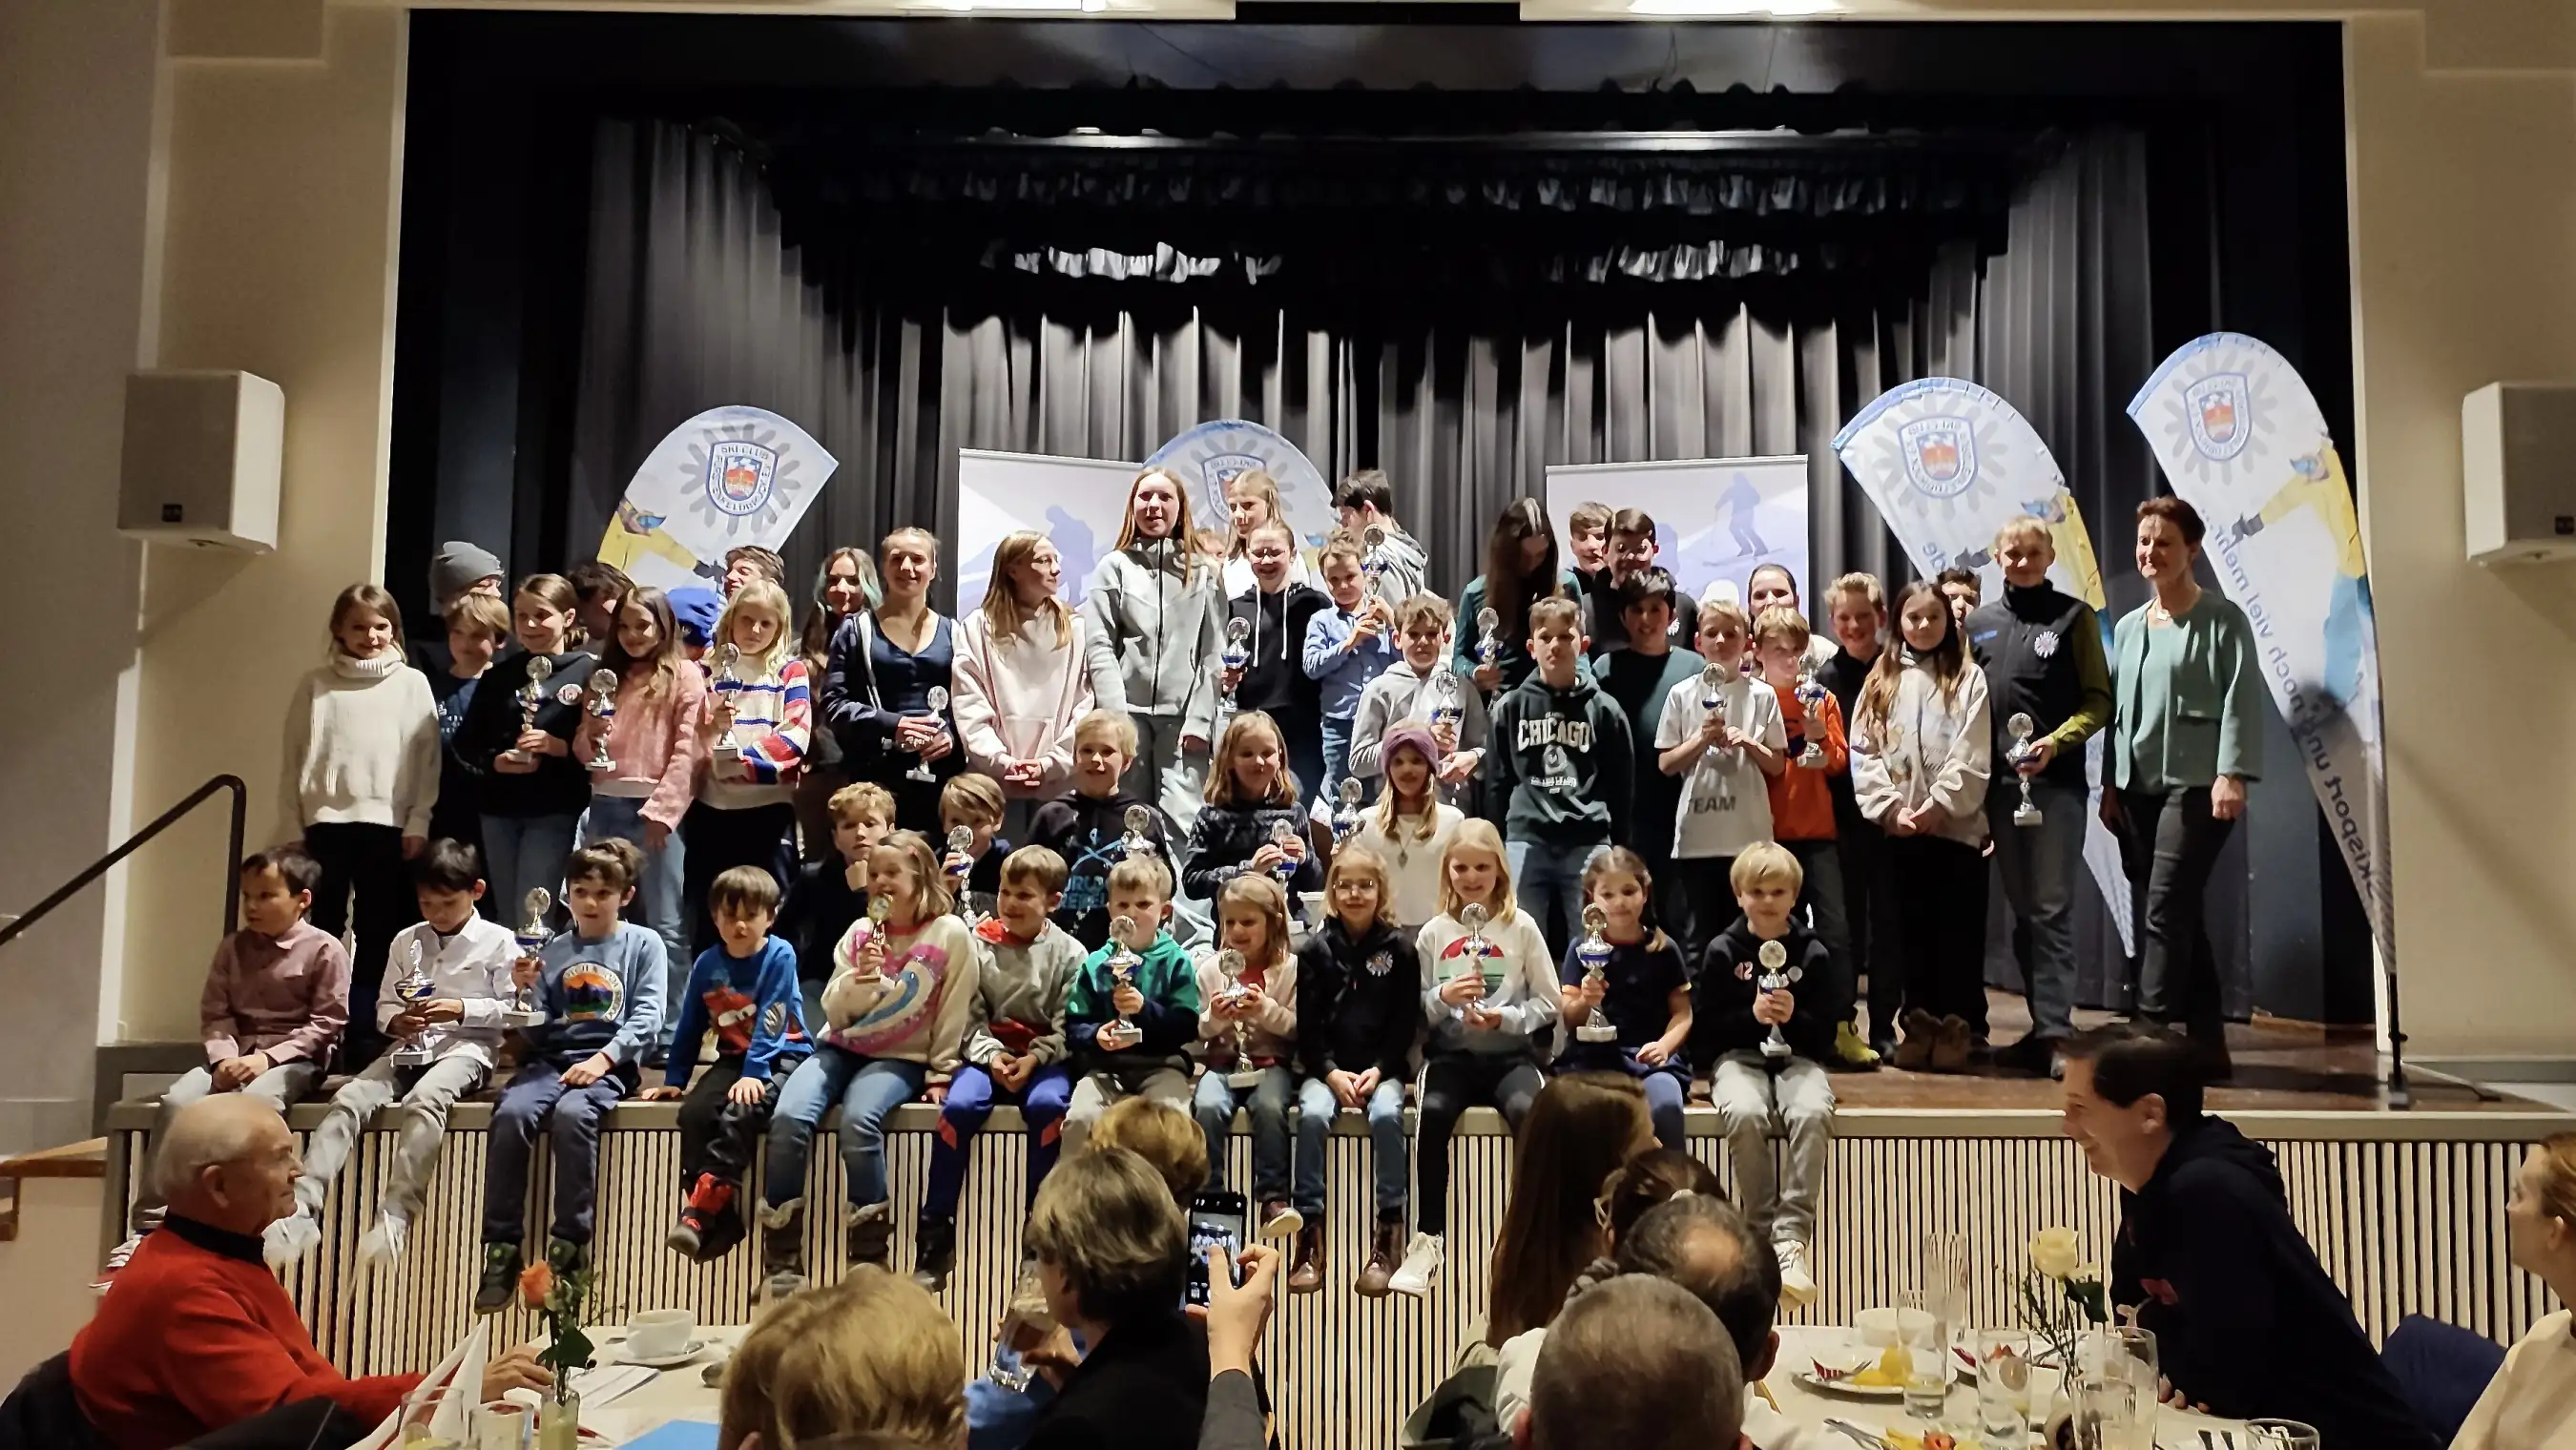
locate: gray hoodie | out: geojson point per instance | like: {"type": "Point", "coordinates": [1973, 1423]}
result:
{"type": "Point", "coordinates": [1404, 563]}
{"type": "Point", "coordinates": [1163, 634]}
{"type": "Point", "coordinates": [1400, 694]}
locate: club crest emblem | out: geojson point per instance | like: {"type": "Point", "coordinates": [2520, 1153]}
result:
{"type": "Point", "coordinates": [1381, 963]}
{"type": "Point", "coordinates": [568, 695]}
{"type": "Point", "coordinates": [2045, 644]}
{"type": "Point", "coordinates": [740, 474]}
{"type": "Point", "coordinates": [1940, 454]}
{"type": "Point", "coordinates": [2216, 410]}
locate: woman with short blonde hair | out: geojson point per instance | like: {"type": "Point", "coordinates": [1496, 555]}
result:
{"type": "Point", "coordinates": [871, 1361]}
{"type": "Point", "coordinates": [1167, 1138]}
{"type": "Point", "coordinates": [1112, 1251]}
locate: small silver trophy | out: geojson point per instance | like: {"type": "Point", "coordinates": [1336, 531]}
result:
{"type": "Point", "coordinates": [414, 987]}
{"type": "Point", "coordinates": [961, 841]}
{"type": "Point", "coordinates": [1230, 965]}
{"type": "Point", "coordinates": [2022, 726]}
{"type": "Point", "coordinates": [603, 708]}
{"type": "Point", "coordinates": [532, 697]}
{"type": "Point", "coordinates": [1445, 709]}
{"type": "Point", "coordinates": [1776, 974]}
{"type": "Point", "coordinates": [1137, 842]}
{"type": "Point", "coordinates": [1281, 833]}
{"type": "Point", "coordinates": [1480, 951]}
{"type": "Point", "coordinates": [527, 1009]}
{"type": "Point", "coordinates": [937, 702]}
{"type": "Point", "coordinates": [1346, 817]}
{"type": "Point", "coordinates": [1593, 951]}
{"type": "Point", "coordinates": [1373, 560]}
{"type": "Point", "coordinates": [1712, 703]}
{"type": "Point", "coordinates": [727, 751]}
{"type": "Point", "coordinates": [1489, 642]}
{"type": "Point", "coordinates": [1120, 1033]}
{"type": "Point", "coordinates": [1811, 703]}
{"type": "Point", "coordinates": [1236, 655]}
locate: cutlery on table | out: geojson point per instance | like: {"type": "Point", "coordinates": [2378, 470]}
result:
{"type": "Point", "coordinates": [1858, 1435]}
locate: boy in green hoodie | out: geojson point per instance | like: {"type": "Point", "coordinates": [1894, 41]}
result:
{"type": "Point", "coordinates": [1563, 772]}
{"type": "Point", "coordinates": [1127, 1037]}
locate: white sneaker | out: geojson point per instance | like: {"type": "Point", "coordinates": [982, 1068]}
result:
{"type": "Point", "coordinates": [116, 1258]}
{"type": "Point", "coordinates": [289, 1239]}
{"type": "Point", "coordinates": [384, 1242]}
{"type": "Point", "coordinates": [1797, 1283]}
{"type": "Point", "coordinates": [1421, 1268]}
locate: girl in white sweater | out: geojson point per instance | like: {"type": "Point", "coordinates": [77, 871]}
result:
{"type": "Point", "coordinates": [1920, 752]}
{"type": "Point", "coordinates": [1022, 676]}
{"type": "Point", "coordinates": [361, 777]}
{"type": "Point", "coordinates": [1411, 827]}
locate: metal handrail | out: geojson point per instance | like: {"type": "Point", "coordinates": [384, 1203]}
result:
{"type": "Point", "coordinates": [135, 842]}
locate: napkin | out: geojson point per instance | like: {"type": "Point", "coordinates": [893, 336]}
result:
{"type": "Point", "coordinates": [462, 1366]}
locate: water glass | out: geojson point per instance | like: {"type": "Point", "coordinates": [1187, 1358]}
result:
{"type": "Point", "coordinates": [2280, 1435]}
{"type": "Point", "coordinates": [502, 1425]}
{"type": "Point", "coordinates": [1945, 1277]}
{"type": "Point", "coordinates": [1024, 1328]}
{"type": "Point", "coordinates": [2114, 1414]}
{"type": "Point", "coordinates": [2003, 1387]}
{"type": "Point", "coordinates": [1925, 1336]}
{"type": "Point", "coordinates": [420, 1416]}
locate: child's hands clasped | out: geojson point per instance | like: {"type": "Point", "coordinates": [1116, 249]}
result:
{"type": "Point", "coordinates": [1013, 1072]}
{"type": "Point", "coordinates": [1773, 1009]}
{"type": "Point", "coordinates": [235, 1073]}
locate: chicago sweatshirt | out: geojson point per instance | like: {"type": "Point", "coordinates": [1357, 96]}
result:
{"type": "Point", "coordinates": [1562, 769]}
{"type": "Point", "coordinates": [362, 746]}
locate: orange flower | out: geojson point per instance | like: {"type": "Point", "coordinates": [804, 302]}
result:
{"type": "Point", "coordinates": [535, 1283]}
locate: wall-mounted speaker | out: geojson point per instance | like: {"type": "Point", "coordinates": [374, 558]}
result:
{"type": "Point", "coordinates": [203, 451]}
{"type": "Point", "coordinates": [2518, 471]}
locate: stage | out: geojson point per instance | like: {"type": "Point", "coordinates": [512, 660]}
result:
{"type": "Point", "coordinates": [2405, 1208]}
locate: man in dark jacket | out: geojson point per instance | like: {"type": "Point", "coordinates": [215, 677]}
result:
{"type": "Point", "coordinates": [2245, 1319]}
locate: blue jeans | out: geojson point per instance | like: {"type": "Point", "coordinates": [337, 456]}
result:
{"type": "Point", "coordinates": [971, 1095]}
{"type": "Point", "coordinates": [659, 897]}
{"type": "Point", "coordinates": [868, 1089]}
{"type": "Point", "coordinates": [1545, 873]}
{"type": "Point", "coordinates": [521, 853]}
{"type": "Point", "coordinates": [1391, 1165]}
{"type": "Point", "coordinates": [2038, 865]}
{"type": "Point", "coordinates": [1268, 1101]}
{"type": "Point", "coordinates": [535, 1095]}
{"type": "Point", "coordinates": [1337, 761]}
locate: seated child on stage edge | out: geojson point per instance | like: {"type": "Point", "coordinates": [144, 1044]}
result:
{"type": "Point", "coordinates": [894, 1025]}
{"type": "Point", "coordinates": [1643, 995]}
{"type": "Point", "coordinates": [1359, 1013]}
{"type": "Point", "coordinates": [1247, 1040]}
{"type": "Point", "coordinates": [1015, 1049]}
{"type": "Point", "coordinates": [974, 803]}
{"type": "Point", "coordinates": [1130, 1034]}
{"type": "Point", "coordinates": [600, 986]}
{"type": "Point", "coordinates": [444, 1046]}
{"type": "Point", "coordinates": [831, 895]}
{"type": "Point", "coordinates": [744, 990]}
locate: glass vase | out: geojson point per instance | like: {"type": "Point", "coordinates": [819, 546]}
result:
{"type": "Point", "coordinates": [559, 1423]}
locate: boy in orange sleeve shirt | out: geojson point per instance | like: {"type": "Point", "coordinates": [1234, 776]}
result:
{"type": "Point", "coordinates": [1802, 812]}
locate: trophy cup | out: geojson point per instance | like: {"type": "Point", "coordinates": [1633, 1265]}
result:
{"type": "Point", "coordinates": [1776, 974]}
{"type": "Point", "coordinates": [961, 841]}
{"type": "Point", "coordinates": [2021, 726]}
{"type": "Point", "coordinates": [527, 1009]}
{"type": "Point", "coordinates": [1346, 818]}
{"type": "Point", "coordinates": [1593, 951]}
{"type": "Point", "coordinates": [1811, 702]}
{"type": "Point", "coordinates": [1230, 965]}
{"type": "Point", "coordinates": [1139, 821]}
{"type": "Point", "coordinates": [1373, 560]}
{"type": "Point", "coordinates": [728, 751]}
{"type": "Point", "coordinates": [532, 697]}
{"type": "Point", "coordinates": [1236, 655]}
{"type": "Point", "coordinates": [1281, 833]}
{"type": "Point", "coordinates": [603, 708]}
{"type": "Point", "coordinates": [1713, 704]}
{"type": "Point", "coordinates": [937, 700]}
{"type": "Point", "coordinates": [1479, 950]}
{"type": "Point", "coordinates": [1445, 709]}
{"type": "Point", "coordinates": [1122, 968]}
{"type": "Point", "coordinates": [414, 987]}
{"type": "Point", "coordinates": [1489, 641]}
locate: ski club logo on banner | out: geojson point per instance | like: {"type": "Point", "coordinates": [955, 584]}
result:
{"type": "Point", "coordinates": [727, 477]}
{"type": "Point", "coordinates": [2242, 440]}
{"type": "Point", "coordinates": [1214, 454]}
{"type": "Point", "coordinates": [1948, 463]}
{"type": "Point", "coordinates": [740, 476]}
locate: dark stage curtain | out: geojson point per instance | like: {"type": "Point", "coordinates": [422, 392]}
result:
{"type": "Point", "coordinates": [695, 300]}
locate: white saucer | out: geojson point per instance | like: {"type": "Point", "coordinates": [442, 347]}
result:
{"type": "Point", "coordinates": [623, 1355]}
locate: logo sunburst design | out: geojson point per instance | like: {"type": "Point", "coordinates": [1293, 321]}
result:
{"type": "Point", "coordinates": [741, 479]}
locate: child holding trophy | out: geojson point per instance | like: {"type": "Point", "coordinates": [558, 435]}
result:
{"type": "Point", "coordinates": [1359, 1011]}
{"type": "Point", "coordinates": [1347, 646]}
{"type": "Point", "coordinates": [446, 983]}
{"type": "Point", "coordinates": [1420, 685]}
{"type": "Point", "coordinates": [516, 741]}
{"type": "Point", "coordinates": [1247, 1039]}
{"type": "Point", "coordinates": [1133, 1010]}
{"type": "Point", "coordinates": [760, 721]}
{"type": "Point", "coordinates": [647, 730]}
{"type": "Point", "coordinates": [1766, 1048]}
{"type": "Point", "coordinates": [1250, 794]}
{"type": "Point", "coordinates": [1722, 735]}
{"type": "Point", "coordinates": [1489, 989]}
{"type": "Point", "coordinates": [1099, 825]}
{"type": "Point", "coordinates": [1626, 991]}
{"type": "Point", "coordinates": [1410, 826]}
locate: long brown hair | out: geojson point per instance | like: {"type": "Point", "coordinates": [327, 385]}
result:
{"type": "Point", "coordinates": [1583, 1126]}
{"type": "Point", "coordinates": [1183, 537]}
{"type": "Point", "coordinates": [1220, 783]}
{"type": "Point", "coordinates": [815, 644]}
{"type": "Point", "coordinates": [557, 593]}
{"type": "Point", "coordinates": [668, 658]}
{"type": "Point", "coordinates": [1509, 588]}
{"type": "Point", "coordinates": [1002, 596]}
{"type": "Point", "coordinates": [1947, 661]}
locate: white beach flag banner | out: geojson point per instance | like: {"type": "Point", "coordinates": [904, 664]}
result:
{"type": "Point", "coordinates": [2242, 440]}
{"type": "Point", "coordinates": [729, 476]}
{"type": "Point", "coordinates": [1948, 463]}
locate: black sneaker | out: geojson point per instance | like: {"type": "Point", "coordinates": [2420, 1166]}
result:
{"type": "Point", "coordinates": [657, 1057]}
{"type": "Point", "coordinates": [500, 1281]}
{"type": "Point", "coordinates": [934, 1253]}
{"type": "Point", "coordinates": [2032, 1054]}
{"type": "Point", "coordinates": [566, 1257]}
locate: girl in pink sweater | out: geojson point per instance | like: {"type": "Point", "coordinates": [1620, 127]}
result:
{"type": "Point", "coordinates": [654, 747]}
{"type": "Point", "coordinates": [1021, 680]}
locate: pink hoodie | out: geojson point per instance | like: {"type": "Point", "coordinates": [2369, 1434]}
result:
{"type": "Point", "coordinates": [657, 758]}
{"type": "Point", "coordinates": [1018, 699]}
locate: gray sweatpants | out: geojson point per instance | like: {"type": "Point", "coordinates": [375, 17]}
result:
{"type": "Point", "coordinates": [419, 1124]}
{"type": "Point", "coordinates": [1094, 1092]}
{"type": "Point", "coordinates": [1749, 1097]}
{"type": "Point", "coordinates": [281, 1087]}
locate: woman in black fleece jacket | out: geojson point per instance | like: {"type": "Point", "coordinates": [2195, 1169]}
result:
{"type": "Point", "coordinates": [1249, 794]}
{"type": "Point", "coordinates": [1359, 1015]}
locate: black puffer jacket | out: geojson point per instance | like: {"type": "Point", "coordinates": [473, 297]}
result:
{"type": "Point", "coordinates": [1359, 1003]}
{"type": "Point", "coordinates": [1224, 839]}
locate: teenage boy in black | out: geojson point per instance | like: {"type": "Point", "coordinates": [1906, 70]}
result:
{"type": "Point", "coordinates": [1564, 771]}
{"type": "Point", "coordinates": [1639, 678]}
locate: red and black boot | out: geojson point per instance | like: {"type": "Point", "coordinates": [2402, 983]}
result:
{"type": "Point", "coordinates": [710, 1222]}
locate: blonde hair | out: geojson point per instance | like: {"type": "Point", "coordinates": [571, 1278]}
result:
{"type": "Point", "coordinates": [873, 1354]}
{"type": "Point", "coordinates": [1261, 892]}
{"type": "Point", "coordinates": [1420, 609]}
{"type": "Point", "coordinates": [482, 611]}
{"type": "Point", "coordinates": [759, 594]}
{"type": "Point", "coordinates": [1864, 585]}
{"type": "Point", "coordinates": [913, 534]}
{"type": "Point", "coordinates": [972, 799]}
{"type": "Point", "coordinates": [1339, 544]}
{"type": "Point", "coordinates": [1478, 834]}
{"type": "Point", "coordinates": [1725, 612]}
{"type": "Point", "coordinates": [1002, 610]}
{"type": "Point", "coordinates": [1183, 537]}
{"type": "Point", "coordinates": [2557, 1158]}
{"type": "Point", "coordinates": [1765, 863]}
{"type": "Point", "coordinates": [930, 895]}
{"type": "Point", "coordinates": [866, 796]}
{"type": "Point", "coordinates": [1780, 622]}
{"type": "Point", "coordinates": [1220, 784]}
{"type": "Point", "coordinates": [1119, 726]}
{"type": "Point", "coordinates": [1139, 873]}
{"type": "Point", "coordinates": [1356, 860]}
{"type": "Point", "coordinates": [2025, 526]}
{"type": "Point", "coordinates": [1168, 1139]}
{"type": "Point", "coordinates": [1265, 488]}
{"type": "Point", "coordinates": [1386, 816]}
{"type": "Point", "coordinates": [1589, 517]}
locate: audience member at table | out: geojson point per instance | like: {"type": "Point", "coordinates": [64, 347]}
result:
{"type": "Point", "coordinates": [1637, 1364]}
{"type": "Point", "coordinates": [1582, 1126]}
{"type": "Point", "coordinates": [1112, 1252]}
{"type": "Point", "coordinates": [196, 1333]}
{"type": "Point", "coordinates": [2531, 1402]}
{"type": "Point", "coordinates": [2246, 1321]}
{"type": "Point", "coordinates": [871, 1363]}
{"type": "Point", "coordinates": [1707, 1246]}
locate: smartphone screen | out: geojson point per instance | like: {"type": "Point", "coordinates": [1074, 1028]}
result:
{"type": "Point", "coordinates": [1216, 1219]}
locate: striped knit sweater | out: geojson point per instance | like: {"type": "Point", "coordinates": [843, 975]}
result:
{"type": "Point", "coordinates": [773, 723]}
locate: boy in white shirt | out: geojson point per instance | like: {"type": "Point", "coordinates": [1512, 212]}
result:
{"type": "Point", "coordinates": [1725, 755]}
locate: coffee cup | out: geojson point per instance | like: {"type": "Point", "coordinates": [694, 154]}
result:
{"type": "Point", "coordinates": [660, 1333]}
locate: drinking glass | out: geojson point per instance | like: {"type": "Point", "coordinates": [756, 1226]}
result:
{"type": "Point", "coordinates": [1024, 1328]}
{"type": "Point", "coordinates": [2280, 1435]}
{"type": "Point", "coordinates": [1945, 1283]}
{"type": "Point", "coordinates": [1926, 1338]}
{"type": "Point", "coordinates": [420, 1415]}
{"type": "Point", "coordinates": [2003, 1387]}
{"type": "Point", "coordinates": [2120, 1361]}
{"type": "Point", "coordinates": [502, 1425]}
{"type": "Point", "coordinates": [2114, 1414]}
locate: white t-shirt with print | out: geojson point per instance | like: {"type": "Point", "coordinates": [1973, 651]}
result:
{"type": "Point", "coordinates": [1707, 823]}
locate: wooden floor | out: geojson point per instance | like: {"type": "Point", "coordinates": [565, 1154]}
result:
{"type": "Point", "coordinates": [2280, 1066]}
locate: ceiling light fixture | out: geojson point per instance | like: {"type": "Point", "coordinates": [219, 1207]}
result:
{"type": "Point", "coordinates": [1772, 9]}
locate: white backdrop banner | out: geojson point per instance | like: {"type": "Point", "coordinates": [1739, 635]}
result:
{"type": "Point", "coordinates": [1715, 518]}
{"type": "Point", "coordinates": [1080, 503]}
{"type": "Point", "coordinates": [1211, 454]}
{"type": "Point", "coordinates": [727, 477]}
{"type": "Point", "coordinates": [1947, 463]}
{"type": "Point", "coordinates": [2242, 440]}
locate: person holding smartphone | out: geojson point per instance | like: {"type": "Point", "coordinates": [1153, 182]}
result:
{"type": "Point", "coordinates": [1112, 1252]}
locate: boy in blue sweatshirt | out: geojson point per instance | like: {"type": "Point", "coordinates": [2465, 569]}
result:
{"type": "Point", "coordinates": [600, 986]}
{"type": "Point", "coordinates": [1347, 646]}
{"type": "Point", "coordinates": [1132, 1036]}
{"type": "Point", "coordinates": [745, 988]}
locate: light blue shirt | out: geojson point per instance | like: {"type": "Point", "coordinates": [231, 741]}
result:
{"type": "Point", "coordinates": [1343, 674]}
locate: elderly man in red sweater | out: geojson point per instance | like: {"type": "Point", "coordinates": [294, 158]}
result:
{"type": "Point", "coordinates": [195, 1334]}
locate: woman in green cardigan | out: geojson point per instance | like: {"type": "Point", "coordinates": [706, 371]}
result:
{"type": "Point", "coordinates": [2187, 736]}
